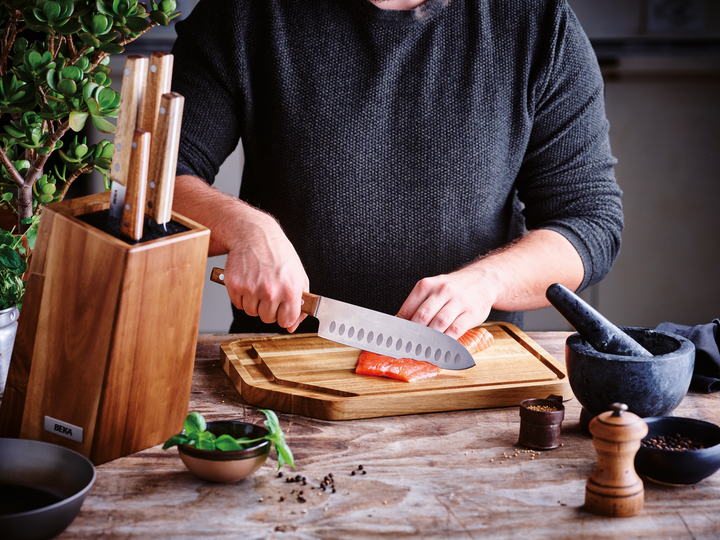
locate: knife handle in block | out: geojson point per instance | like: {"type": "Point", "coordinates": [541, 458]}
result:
{"type": "Point", "coordinates": [133, 82]}
{"type": "Point", "coordinates": [133, 214]}
{"type": "Point", "coordinates": [309, 301]}
{"type": "Point", "coordinates": [159, 79]}
{"type": "Point", "coordinates": [163, 158]}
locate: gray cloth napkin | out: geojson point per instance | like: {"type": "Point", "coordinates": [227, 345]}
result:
{"type": "Point", "coordinates": [706, 338]}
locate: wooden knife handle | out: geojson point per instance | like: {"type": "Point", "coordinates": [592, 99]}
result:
{"type": "Point", "coordinates": [163, 157]}
{"type": "Point", "coordinates": [133, 83]}
{"type": "Point", "coordinates": [133, 214]}
{"type": "Point", "coordinates": [309, 300]}
{"type": "Point", "coordinates": [159, 79]}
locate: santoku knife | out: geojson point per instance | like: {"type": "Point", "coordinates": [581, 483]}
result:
{"type": "Point", "coordinates": [378, 332]}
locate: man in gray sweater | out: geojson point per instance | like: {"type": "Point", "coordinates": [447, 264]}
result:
{"type": "Point", "coordinates": [443, 160]}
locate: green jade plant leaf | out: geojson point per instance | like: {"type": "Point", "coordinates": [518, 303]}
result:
{"type": "Point", "coordinates": [196, 435]}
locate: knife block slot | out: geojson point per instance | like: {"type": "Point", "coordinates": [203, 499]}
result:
{"type": "Point", "coordinates": [103, 221]}
{"type": "Point", "coordinates": [106, 339]}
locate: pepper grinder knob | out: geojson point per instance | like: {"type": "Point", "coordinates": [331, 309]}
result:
{"type": "Point", "coordinates": [618, 409]}
{"type": "Point", "coordinates": [614, 489]}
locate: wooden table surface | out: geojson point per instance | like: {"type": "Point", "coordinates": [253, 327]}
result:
{"type": "Point", "coordinates": [427, 476]}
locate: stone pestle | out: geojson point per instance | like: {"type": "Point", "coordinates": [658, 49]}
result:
{"type": "Point", "coordinates": [603, 335]}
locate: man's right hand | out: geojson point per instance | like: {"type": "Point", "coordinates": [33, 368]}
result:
{"type": "Point", "coordinates": [263, 273]}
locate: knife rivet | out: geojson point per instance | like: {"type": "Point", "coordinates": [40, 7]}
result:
{"type": "Point", "coordinates": [127, 72]}
{"type": "Point", "coordinates": [117, 166]}
{"type": "Point", "coordinates": [332, 327]}
{"type": "Point", "coordinates": [118, 147]}
{"type": "Point", "coordinates": [127, 207]}
{"type": "Point", "coordinates": [153, 68]}
{"type": "Point", "coordinates": [152, 185]}
{"type": "Point", "coordinates": [162, 110]}
{"type": "Point", "coordinates": [221, 277]}
{"type": "Point", "coordinates": [134, 144]}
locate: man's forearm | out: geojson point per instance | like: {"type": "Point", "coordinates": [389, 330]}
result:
{"type": "Point", "coordinates": [216, 210]}
{"type": "Point", "coordinates": [520, 274]}
{"type": "Point", "coordinates": [263, 274]}
{"type": "Point", "coordinates": [514, 278]}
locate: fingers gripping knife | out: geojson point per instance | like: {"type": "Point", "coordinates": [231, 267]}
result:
{"type": "Point", "coordinates": [378, 332]}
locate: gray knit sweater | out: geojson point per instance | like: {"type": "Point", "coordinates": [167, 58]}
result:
{"type": "Point", "coordinates": [395, 145]}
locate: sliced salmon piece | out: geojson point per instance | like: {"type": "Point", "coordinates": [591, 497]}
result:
{"type": "Point", "coordinates": [405, 369]}
{"type": "Point", "coordinates": [409, 370]}
{"type": "Point", "coordinates": [476, 340]}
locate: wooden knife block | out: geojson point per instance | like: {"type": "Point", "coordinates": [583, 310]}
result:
{"type": "Point", "coordinates": [107, 335]}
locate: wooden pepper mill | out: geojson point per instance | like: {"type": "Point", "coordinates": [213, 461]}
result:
{"type": "Point", "coordinates": [614, 489]}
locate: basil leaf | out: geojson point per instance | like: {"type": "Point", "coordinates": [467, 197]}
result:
{"type": "Point", "coordinates": [226, 442]}
{"type": "Point", "coordinates": [194, 423]}
{"type": "Point", "coordinates": [176, 440]}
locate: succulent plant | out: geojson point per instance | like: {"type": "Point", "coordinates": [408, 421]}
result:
{"type": "Point", "coordinates": [54, 77]}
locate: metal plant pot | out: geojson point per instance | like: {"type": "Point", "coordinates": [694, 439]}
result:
{"type": "Point", "coordinates": [8, 329]}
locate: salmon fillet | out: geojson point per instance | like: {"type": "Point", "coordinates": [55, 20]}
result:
{"type": "Point", "coordinates": [476, 340]}
{"type": "Point", "coordinates": [409, 370]}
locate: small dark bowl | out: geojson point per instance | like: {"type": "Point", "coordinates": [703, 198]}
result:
{"type": "Point", "coordinates": [648, 386]}
{"type": "Point", "coordinates": [42, 487]}
{"type": "Point", "coordinates": [227, 466]}
{"type": "Point", "coordinates": [680, 467]}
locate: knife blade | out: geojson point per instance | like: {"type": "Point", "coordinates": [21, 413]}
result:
{"type": "Point", "coordinates": [380, 333]}
{"type": "Point", "coordinates": [163, 158]}
{"type": "Point", "coordinates": [133, 215]}
{"type": "Point", "coordinates": [133, 82]}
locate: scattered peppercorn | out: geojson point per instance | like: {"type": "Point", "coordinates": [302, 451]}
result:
{"type": "Point", "coordinates": [280, 474]}
{"type": "Point", "coordinates": [360, 467]}
{"type": "Point", "coordinates": [352, 473]}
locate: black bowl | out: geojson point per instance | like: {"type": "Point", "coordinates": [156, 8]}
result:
{"type": "Point", "coordinates": [42, 487]}
{"type": "Point", "coordinates": [680, 467]}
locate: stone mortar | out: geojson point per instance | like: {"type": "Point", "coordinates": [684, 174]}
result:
{"type": "Point", "coordinates": [648, 386]}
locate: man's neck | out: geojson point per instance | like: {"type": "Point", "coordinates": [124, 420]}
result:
{"type": "Point", "coordinates": [397, 4]}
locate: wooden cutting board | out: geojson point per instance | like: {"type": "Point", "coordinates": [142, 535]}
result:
{"type": "Point", "coordinates": [308, 375]}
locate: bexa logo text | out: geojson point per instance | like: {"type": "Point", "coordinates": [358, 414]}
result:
{"type": "Point", "coordinates": [64, 430]}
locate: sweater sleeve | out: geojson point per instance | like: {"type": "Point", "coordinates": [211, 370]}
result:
{"type": "Point", "coordinates": [205, 73]}
{"type": "Point", "coordinates": [566, 181]}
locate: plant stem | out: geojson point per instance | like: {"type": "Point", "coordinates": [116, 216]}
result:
{"type": "Point", "coordinates": [8, 40]}
{"type": "Point", "coordinates": [10, 168]}
{"type": "Point", "coordinates": [24, 207]}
